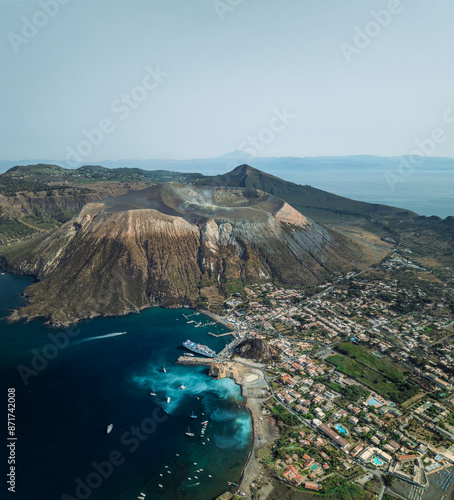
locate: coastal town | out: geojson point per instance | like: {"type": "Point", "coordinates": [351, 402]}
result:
{"type": "Point", "coordinates": [360, 384]}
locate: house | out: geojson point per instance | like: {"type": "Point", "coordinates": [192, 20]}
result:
{"type": "Point", "coordinates": [356, 450]}
{"type": "Point", "coordinates": [292, 475]}
{"type": "Point", "coordinates": [312, 486]}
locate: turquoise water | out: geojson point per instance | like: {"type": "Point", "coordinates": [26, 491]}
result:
{"type": "Point", "coordinates": [66, 397]}
{"type": "Point", "coordinates": [377, 461]}
{"type": "Point", "coordinates": [341, 429]}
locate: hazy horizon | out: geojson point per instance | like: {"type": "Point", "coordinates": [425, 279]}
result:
{"type": "Point", "coordinates": [426, 188]}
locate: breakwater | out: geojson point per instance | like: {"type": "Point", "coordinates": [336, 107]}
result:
{"type": "Point", "coordinates": [195, 361]}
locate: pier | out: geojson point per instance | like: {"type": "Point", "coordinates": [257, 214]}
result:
{"type": "Point", "coordinates": [221, 334]}
{"type": "Point", "coordinates": [196, 361]}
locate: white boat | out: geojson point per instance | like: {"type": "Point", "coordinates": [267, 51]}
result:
{"type": "Point", "coordinates": [182, 387]}
{"type": "Point", "coordinates": [168, 400]}
{"type": "Point", "coordinates": [152, 394]}
{"type": "Point", "coordinates": [109, 428]}
{"type": "Point", "coordinates": [164, 369]}
{"type": "Point", "coordinates": [189, 433]}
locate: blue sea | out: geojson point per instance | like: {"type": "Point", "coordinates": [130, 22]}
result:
{"type": "Point", "coordinates": [103, 373]}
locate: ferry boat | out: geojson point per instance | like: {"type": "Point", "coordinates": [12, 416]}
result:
{"type": "Point", "coordinates": [109, 428]}
{"type": "Point", "coordinates": [199, 349]}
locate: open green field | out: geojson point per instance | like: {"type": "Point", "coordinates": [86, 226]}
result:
{"type": "Point", "coordinates": [396, 391]}
{"type": "Point", "coordinates": [362, 356]}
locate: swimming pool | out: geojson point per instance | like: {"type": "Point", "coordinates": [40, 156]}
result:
{"type": "Point", "coordinates": [315, 466]}
{"type": "Point", "coordinates": [373, 402]}
{"type": "Point", "coordinates": [377, 461]}
{"type": "Point", "coordinates": [341, 429]}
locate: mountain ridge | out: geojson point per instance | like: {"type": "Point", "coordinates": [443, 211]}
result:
{"type": "Point", "coordinates": [174, 245]}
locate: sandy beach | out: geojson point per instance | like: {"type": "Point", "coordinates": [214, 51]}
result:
{"type": "Point", "coordinates": [250, 376]}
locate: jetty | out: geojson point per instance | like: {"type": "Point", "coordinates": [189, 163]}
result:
{"type": "Point", "coordinates": [195, 361]}
{"type": "Point", "coordinates": [221, 334]}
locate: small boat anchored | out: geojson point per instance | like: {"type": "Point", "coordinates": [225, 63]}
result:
{"type": "Point", "coordinates": [109, 428]}
{"type": "Point", "coordinates": [164, 369]}
{"type": "Point", "coordinates": [182, 387]}
{"type": "Point", "coordinates": [189, 433]}
{"type": "Point", "coordinates": [192, 415]}
{"type": "Point", "coordinates": [168, 400]}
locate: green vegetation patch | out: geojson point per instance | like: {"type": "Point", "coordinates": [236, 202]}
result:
{"type": "Point", "coordinates": [338, 488]}
{"type": "Point", "coordinates": [11, 229]}
{"type": "Point", "coordinates": [360, 355]}
{"type": "Point", "coordinates": [284, 415]}
{"type": "Point", "coordinates": [398, 392]}
{"type": "Point", "coordinates": [352, 392]}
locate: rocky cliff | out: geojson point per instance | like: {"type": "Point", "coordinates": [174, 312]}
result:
{"type": "Point", "coordinates": [169, 243]}
{"type": "Point", "coordinates": [257, 350]}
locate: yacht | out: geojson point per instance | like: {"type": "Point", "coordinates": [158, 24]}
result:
{"type": "Point", "coordinates": [109, 428]}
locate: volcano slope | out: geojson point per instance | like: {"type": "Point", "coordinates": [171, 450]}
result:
{"type": "Point", "coordinates": [174, 244]}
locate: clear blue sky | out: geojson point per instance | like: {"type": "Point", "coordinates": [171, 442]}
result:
{"type": "Point", "coordinates": [226, 70]}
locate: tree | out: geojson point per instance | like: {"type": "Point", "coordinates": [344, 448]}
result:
{"type": "Point", "coordinates": [389, 480]}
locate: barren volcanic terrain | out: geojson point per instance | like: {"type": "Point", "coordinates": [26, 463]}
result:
{"type": "Point", "coordinates": [174, 244]}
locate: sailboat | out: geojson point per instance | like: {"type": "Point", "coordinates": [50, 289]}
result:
{"type": "Point", "coordinates": [192, 415]}
{"type": "Point", "coordinates": [189, 433]}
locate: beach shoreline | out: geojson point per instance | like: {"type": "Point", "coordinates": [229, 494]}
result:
{"type": "Point", "coordinates": [255, 390]}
